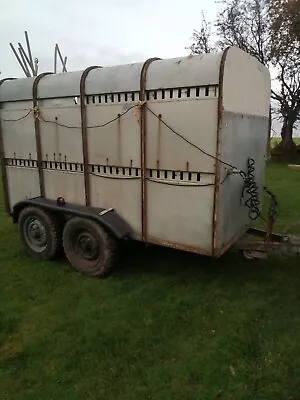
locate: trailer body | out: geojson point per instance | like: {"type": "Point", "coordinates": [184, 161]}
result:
{"type": "Point", "coordinates": [155, 142]}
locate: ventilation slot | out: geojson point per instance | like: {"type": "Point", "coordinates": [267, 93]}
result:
{"type": "Point", "coordinates": [20, 162]}
{"type": "Point", "coordinates": [179, 176]}
{"type": "Point", "coordinates": [172, 175]}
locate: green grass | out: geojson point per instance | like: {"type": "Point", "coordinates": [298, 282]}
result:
{"type": "Point", "coordinates": [165, 325]}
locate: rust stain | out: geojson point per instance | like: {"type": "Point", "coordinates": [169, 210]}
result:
{"type": "Point", "coordinates": [158, 150]}
{"type": "Point", "coordinates": [136, 114]}
{"type": "Point", "coordinates": [219, 252]}
{"type": "Point", "coordinates": [179, 246]}
{"type": "Point", "coordinates": [119, 140]}
{"type": "Point", "coordinates": [56, 127]}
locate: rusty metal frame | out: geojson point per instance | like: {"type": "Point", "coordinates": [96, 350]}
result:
{"type": "Point", "coordinates": [2, 161]}
{"type": "Point", "coordinates": [275, 242]}
{"type": "Point", "coordinates": [37, 129]}
{"type": "Point", "coordinates": [85, 149]}
{"type": "Point", "coordinates": [178, 246]}
{"type": "Point", "coordinates": [143, 139]}
{"type": "Point", "coordinates": [217, 165]}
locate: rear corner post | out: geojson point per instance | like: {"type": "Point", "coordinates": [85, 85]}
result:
{"type": "Point", "coordinates": [220, 111]}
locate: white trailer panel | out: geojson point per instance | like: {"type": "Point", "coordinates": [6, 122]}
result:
{"type": "Point", "coordinates": [155, 141]}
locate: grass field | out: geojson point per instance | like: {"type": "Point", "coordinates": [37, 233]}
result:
{"type": "Point", "coordinates": [165, 325]}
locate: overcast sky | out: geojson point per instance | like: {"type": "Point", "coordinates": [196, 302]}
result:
{"type": "Point", "coordinates": [104, 32]}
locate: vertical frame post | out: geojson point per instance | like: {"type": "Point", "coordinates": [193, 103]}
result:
{"type": "Point", "coordinates": [37, 129]}
{"type": "Point", "coordinates": [220, 112]}
{"type": "Point", "coordinates": [143, 138]}
{"type": "Point", "coordinates": [85, 149]}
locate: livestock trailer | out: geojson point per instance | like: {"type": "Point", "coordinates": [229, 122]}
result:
{"type": "Point", "coordinates": [170, 152]}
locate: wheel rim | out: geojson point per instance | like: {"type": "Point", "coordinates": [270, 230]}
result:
{"type": "Point", "coordinates": [85, 245]}
{"type": "Point", "coordinates": [35, 234]}
{"type": "Point", "coordinates": [248, 255]}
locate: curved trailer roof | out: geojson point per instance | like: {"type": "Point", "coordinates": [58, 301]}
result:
{"type": "Point", "coordinates": [242, 79]}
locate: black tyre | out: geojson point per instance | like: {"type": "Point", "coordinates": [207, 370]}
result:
{"type": "Point", "coordinates": [88, 247]}
{"type": "Point", "coordinates": [40, 233]}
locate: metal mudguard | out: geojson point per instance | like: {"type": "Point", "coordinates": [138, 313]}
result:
{"type": "Point", "coordinates": [108, 218]}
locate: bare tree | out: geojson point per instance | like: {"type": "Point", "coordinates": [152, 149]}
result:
{"type": "Point", "coordinates": [244, 23]}
{"type": "Point", "coordinates": [252, 26]}
{"type": "Point", "coordinates": [202, 40]}
{"type": "Point", "coordinates": [284, 17]}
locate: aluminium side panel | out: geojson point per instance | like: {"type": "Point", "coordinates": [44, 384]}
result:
{"type": "Point", "coordinates": [115, 155]}
{"type": "Point", "coordinates": [114, 148]}
{"type": "Point", "coordinates": [19, 147]}
{"type": "Point", "coordinates": [244, 134]}
{"type": "Point", "coordinates": [183, 94]}
{"type": "Point", "coordinates": [61, 144]}
{"type": "Point", "coordinates": [180, 190]}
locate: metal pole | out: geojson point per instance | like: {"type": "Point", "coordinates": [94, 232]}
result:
{"type": "Point", "coordinates": [55, 59]}
{"type": "Point", "coordinates": [60, 56]}
{"type": "Point", "coordinates": [65, 65]}
{"type": "Point", "coordinates": [36, 66]}
{"type": "Point", "coordinates": [24, 62]}
{"type": "Point", "coordinates": [21, 49]}
{"type": "Point", "coordinates": [19, 60]}
{"type": "Point", "coordinates": [29, 50]}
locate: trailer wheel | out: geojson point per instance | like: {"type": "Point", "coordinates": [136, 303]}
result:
{"type": "Point", "coordinates": [251, 255]}
{"type": "Point", "coordinates": [40, 233]}
{"type": "Point", "coordinates": [88, 247]}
